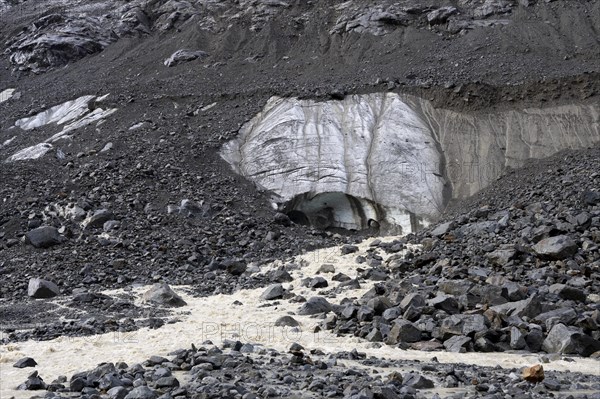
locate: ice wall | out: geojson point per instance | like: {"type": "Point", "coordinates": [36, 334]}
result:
{"type": "Point", "coordinates": [396, 159]}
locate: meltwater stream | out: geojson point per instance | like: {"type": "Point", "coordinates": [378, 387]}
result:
{"type": "Point", "coordinates": [392, 161]}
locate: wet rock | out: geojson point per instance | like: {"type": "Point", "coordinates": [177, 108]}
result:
{"type": "Point", "coordinates": [534, 373]}
{"type": "Point", "coordinates": [161, 294]}
{"type": "Point", "coordinates": [25, 362]}
{"type": "Point", "coordinates": [183, 56]}
{"type": "Point", "coordinates": [570, 340]}
{"type": "Point", "coordinates": [39, 288]}
{"type": "Point", "coordinates": [44, 237]}
{"type": "Point", "coordinates": [274, 291]}
{"type": "Point", "coordinates": [315, 305]}
{"type": "Point", "coordinates": [555, 248]}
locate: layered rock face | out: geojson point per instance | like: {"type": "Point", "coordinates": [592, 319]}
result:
{"type": "Point", "coordinates": [392, 160]}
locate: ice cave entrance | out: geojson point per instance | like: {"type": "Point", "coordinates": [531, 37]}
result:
{"type": "Point", "coordinates": [333, 209]}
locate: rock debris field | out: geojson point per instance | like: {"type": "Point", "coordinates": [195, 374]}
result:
{"type": "Point", "coordinates": [301, 199]}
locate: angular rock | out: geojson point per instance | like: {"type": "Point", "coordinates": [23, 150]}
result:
{"type": "Point", "coordinates": [446, 303]}
{"type": "Point", "coordinates": [348, 249]}
{"type": "Point", "coordinates": [566, 292]}
{"type": "Point", "coordinates": [25, 362]}
{"type": "Point", "coordinates": [517, 339]}
{"type": "Point", "coordinates": [591, 197]}
{"type": "Point", "coordinates": [39, 288]}
{"type": "Point", "coordinates": [98, 219]}
{"type": "Point", "coordinates": [117, 393]}
{"type": "Point", "coordinates": [534, 373]}
{"type": "Point", "coordinates": [464, 324]}
{"type": "Point", "coordinates": [417, 381]}
{"type": "Point", "coordinates": [315, 305]}
{"type": "Point", "coordinates": [318, 282]}
{"type": "Point", "coordinates": [403, 331]}
{"type": "Point", "coordinates": [161, 294]}
{"type": "Point", "coordinates": [456, 343]}
{"type": "Point", "coordinates": [142, 392]}
{"type": "Point", "coordinates": [442, 229]}
{"type": "Point", "coordinates": [529, 307]}
{"type": "Point", "coordinates": [183, 56]}
{"type": "Point", "coordinates": [556, 248]}
{"type": "Point", "coordinates": [274, 291]}
{"type": "Point", "coordinates": [570, 340]}
{"type": "Point", "coordinates": [44, 237]}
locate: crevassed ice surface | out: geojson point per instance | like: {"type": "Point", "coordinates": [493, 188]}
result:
{"type": "Point", "coordinates": [398, 156]}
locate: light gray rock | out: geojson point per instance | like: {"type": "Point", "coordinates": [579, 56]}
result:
{"type": "Point", "coordinates": [556, 248]}
{"type": "Point", "coordinates": [456, 343]}
{"type": "Point", "coordinates": [39, 288]}
{"type": "Point", "coordinates": [183, 56]}
{"type": "Point", "coordinates": [570, 340]}
{"type": "Point", "coordinates": [529, 307]}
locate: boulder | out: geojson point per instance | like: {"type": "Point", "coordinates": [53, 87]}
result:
{"type": "Point", "coordinates": [315, 305]}
{"type": "Point", "coordinates": [570, 340]}
{"type": "Point", "coordinates": [141, 392]}
{"type": "Point", "coordinates": [44, 237]}
{"type": "Point", "coordinates": [534, 373]}
{"type": "Point", "coordinates": [555, 248]}
{"type": "Point", "coordinates": [161, 294]}
{"type": "Point", "coordinates": [529, 307]}
{"type": "Point", "coordinates": [39, 288]}
{"type": "Point", "coordinates": [456, 343]}
{"type": "Point", "coordinates": [274, 291]}
{"type": "Point", "coordinates": [403, 331]}
{"type": "Point", "coordinates": [25, 362]}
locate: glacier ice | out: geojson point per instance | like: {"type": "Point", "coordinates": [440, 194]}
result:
{"type": "Point", "coordinates": [393, 159]}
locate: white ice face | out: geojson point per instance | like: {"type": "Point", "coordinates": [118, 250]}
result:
{"type": "Point", "coordinates": [374, 148]}
{"type": "Point", "coordinates": [71, 115]}
{"type": "Point", "coordinates": [398, 157]}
